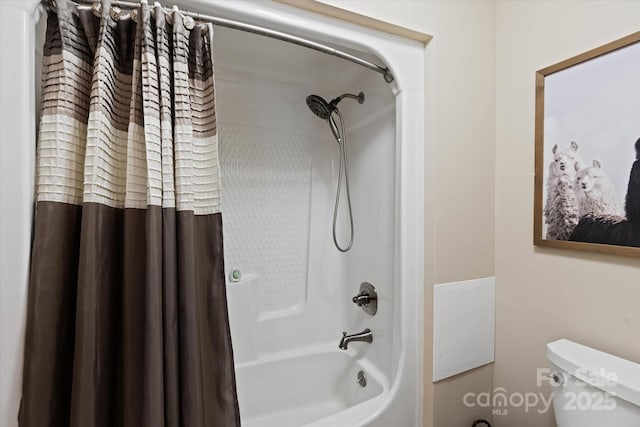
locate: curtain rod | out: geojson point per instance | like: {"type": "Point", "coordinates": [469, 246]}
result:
{"type": "Point", "coordinates": [255, 29]}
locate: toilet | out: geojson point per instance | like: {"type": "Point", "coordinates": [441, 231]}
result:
{"type": "Point", "coordinates": [593, 388]}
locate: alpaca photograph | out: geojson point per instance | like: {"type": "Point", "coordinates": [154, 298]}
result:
{"type": "Point", "coordinates": [594, 191]}
{"type": "Point", "coordinates": [587, 186]}
{"type": "Point", "coordinates": [561, 208]}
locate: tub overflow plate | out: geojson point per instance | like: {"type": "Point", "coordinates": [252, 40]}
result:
{"type": "Point", "coordinates": [362, 379]}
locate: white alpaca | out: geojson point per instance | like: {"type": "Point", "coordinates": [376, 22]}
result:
{"type": "Point", "coordinates": [561, 207]}
{"type": "Point", "coordinates": [594, 191]}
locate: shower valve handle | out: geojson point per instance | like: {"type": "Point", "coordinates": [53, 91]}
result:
{"type": "Point", "coordinates": [363, 298]}
{"type": "Point", "coordinates": [367, 298]}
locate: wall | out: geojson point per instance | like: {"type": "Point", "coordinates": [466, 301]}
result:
{"type": "Point", "coordinates": [460, 137]}
{"type": "Point", "coordinates": [279, 166]}
{"type": "Point", "coordinates": [544, 294]}
{"type": "Point", "coordinates": [17, 158]}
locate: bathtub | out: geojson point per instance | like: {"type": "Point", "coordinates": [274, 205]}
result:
{"type": "Point", "coordinates": [279, 172]}
{"type": "Point", "coordinates": [308, 385]}
{"type": "Point", "coordinates": [317, 386]}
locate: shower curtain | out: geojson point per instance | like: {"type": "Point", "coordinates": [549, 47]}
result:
{"type": "Point", "coordinates": [127, 319]}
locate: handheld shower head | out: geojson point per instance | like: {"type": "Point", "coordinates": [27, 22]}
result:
{"type": "Point", "coordinates": [322, 109]}
{"type": "Point", "coordinates": [319, 106]}
{"type": "Point", "coordinates": [325, 110]}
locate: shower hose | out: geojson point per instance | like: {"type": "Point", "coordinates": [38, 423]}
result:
{"type": "Point", "coordinates": [342, 143]}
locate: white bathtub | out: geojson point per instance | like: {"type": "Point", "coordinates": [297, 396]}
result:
{"type": "Point", "coordinates": [312, 387]}
{"type": "Point", "coordinates": [279, 169]}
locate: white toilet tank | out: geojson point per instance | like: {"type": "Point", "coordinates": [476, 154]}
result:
{"type": "Point", "coordinates": [593, 388]}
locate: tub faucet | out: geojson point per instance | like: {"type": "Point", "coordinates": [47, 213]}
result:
{"type": "Point", "coordinates": [364, 336]}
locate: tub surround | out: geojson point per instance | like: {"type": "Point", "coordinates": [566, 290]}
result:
{"type": "Point", "coordinates": [395, 371]}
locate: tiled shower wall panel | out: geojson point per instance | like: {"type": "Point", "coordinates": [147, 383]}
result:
{"type": "Point", "coordinates": [266, 198]}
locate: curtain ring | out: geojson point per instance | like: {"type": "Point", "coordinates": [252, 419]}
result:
{"type": "Point", "coordinates": [115, 12]}
{"type": "Point", "coordinates": [134, 15]}
{"type": "Point", "coordinates": [97, 8]}
{"type": "Point", "coordinates": [52, 5]}
{"type": "Point", "coordinates": [188, 22]}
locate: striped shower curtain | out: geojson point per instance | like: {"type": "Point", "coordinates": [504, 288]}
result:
{"type": "Point", "coordinates": [127, 319]}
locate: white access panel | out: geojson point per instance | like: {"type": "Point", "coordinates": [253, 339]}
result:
{"type": "Point", "coordinates": [463, 326]}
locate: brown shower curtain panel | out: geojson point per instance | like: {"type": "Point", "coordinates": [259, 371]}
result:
{"type": "Point", "coordinates": [127, 319]}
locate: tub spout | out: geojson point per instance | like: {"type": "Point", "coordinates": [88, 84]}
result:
{"type": "Point", "coordinates": [364, 336]}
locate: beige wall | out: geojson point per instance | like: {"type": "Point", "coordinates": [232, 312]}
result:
{"type": "Point", "coordinates": [543, 295]}
{"type": "Point", "coordinates": [460, 165]}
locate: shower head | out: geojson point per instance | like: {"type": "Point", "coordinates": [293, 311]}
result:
{"type": "Point", "coordinates": [319, 106]}
{"type": "Point", "coordinates": [324, 109]}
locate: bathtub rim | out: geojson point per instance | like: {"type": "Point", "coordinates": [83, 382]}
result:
{"type": "Point", "coordinates": [331, 349]}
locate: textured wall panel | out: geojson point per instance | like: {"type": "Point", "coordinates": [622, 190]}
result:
{"type": "Point", "coordinates": [266, 193]}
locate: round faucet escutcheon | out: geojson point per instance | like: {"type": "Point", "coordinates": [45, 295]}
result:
{"type": "Point", "coordinates": [367, 298]}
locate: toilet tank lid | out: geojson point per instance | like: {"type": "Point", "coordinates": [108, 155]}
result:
{"type": "Point", "coordinates": [605, 371]}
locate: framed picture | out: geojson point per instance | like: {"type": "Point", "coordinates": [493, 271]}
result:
{"type": "Point", "coordinates": [587, 154]}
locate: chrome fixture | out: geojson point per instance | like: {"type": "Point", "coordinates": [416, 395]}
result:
{"type": "Point", "coordinates": [362, 379]}
{"type": "Point", "coordinates": [364, 336]}
{"type": "Point", "coordinates": [325, 110]}
{"type": "Point", "coordinates": [236, 25]}
{"type": "Point", "coordinates": [367, 298]}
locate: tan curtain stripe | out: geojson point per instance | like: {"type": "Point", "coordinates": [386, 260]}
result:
{"type": "Point", "coordinates": [148, 103]}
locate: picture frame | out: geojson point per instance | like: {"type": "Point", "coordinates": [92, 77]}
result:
{"type": "Point", "coordinates": [587, 151]}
